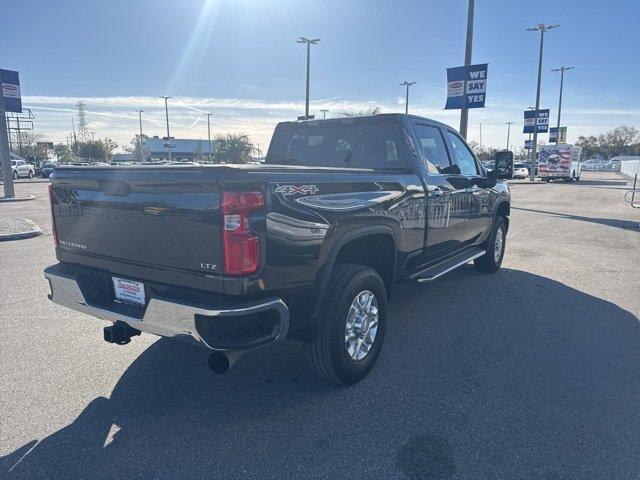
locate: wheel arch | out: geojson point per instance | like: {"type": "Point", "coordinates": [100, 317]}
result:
{"type": "Point", "coordinates": [502, 209]}
{"type": "Point", "coordinates": [344, 250]}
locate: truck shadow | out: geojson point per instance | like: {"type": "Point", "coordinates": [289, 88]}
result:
{"type": "Point", "coordinates": [510, 373]}
{"type": "Point", "coordinates": [609, 222]}
{"type": "Point", "coordinates": [611, 183]}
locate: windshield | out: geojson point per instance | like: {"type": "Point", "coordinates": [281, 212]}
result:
{"type": "Point", "coordinates": [344, 144]}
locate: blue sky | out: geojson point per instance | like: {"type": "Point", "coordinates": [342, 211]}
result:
{"type": "Point", "coordinates": [238, 59]}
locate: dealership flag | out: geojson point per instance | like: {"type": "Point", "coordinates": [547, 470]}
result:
{"type": "Point", "coordinates": [11, 91]}
{"type": "Point", "coordinates": [553, 135]}
{"type": "Point", "coordinates": [530, 121]}
{"type": "Point", "coordinates": [466, 86]}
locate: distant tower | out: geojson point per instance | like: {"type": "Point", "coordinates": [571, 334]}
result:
{"type": "Point", "coordinates": [83, 130]}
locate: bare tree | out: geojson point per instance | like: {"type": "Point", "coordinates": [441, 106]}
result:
{"type": "Point", "coordinates": [622, 140]}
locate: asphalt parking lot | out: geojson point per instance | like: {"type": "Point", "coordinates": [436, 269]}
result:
{"type": "Point", "coordinates": [529, 373]}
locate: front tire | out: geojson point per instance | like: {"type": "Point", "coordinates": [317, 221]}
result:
{"type": "Point", "coordinates": [15, 175]}
{"type": "Point", "coordinates": [30, 174]}
{"type": "Point", "coordinates": [351, 331]}
{"type": "Point", "coordinates": [492, 260]}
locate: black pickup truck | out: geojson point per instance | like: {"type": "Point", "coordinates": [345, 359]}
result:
{"type": "Point", "coordinates": [308, 245]}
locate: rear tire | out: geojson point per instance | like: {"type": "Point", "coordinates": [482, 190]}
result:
{"type": "Point", "coordinates": [492, 260]}
{"type": "Point", "coordinates": [30, 174]}
{"type": "Point", "coordinates": [331, 355]}
{"type": "Point", "coordinates": [15, 175]}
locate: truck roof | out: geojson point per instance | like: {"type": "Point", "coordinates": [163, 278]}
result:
{"type": "Point", "coordinates": [362, 120]}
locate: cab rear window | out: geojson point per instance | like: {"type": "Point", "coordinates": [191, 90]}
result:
{"type": "Point", "coordinates": [339, 144]}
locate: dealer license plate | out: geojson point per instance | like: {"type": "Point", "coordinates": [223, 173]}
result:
{"type": "Point", "coordinates": [128, 291]}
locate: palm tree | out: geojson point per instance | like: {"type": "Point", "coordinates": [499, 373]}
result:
{"type": "Point", "coordinates": [359, 112]}
{"type": "Point", "coordinates": [233, 148]}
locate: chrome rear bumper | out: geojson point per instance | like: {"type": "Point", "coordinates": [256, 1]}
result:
{"type": "Point", "coordinates": [171, 318]}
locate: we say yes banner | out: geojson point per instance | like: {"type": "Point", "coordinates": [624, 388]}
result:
{"type": "Point", "coordinates": [466, 86]}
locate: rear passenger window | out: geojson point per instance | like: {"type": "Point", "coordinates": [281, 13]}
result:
{"type": "Point", "coordinates": [461, 154]}
{"type": "Point", "coordinates": [433, 149]}
{"type": "Point", "coordinates": [349, 143]}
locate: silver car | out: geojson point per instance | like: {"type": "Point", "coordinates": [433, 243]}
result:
{"type": "Point", "coordinates": [20, 168]}
{"type": "Point", "coordinates": [520, 170]}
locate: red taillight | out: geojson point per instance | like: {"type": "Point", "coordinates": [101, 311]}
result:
{"type": "Point", "coordinates": [54, 231]}
{"type": "Point", "coordinates": [241, 246]}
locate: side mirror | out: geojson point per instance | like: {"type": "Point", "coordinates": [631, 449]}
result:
{"type": "Point", "coordinates": [503, 165]}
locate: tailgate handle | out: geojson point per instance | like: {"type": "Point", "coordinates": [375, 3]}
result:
{"type": "Point", "coordinates": [120, 189]}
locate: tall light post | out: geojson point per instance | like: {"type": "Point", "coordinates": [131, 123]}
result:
{"type": "Point", "coordinates": [209, 134]}
{"type": "Point", "coordinates": [561, 70]}
{"type": "Point", "coordinates": [464, 113]}
{"type": "Point", "coordinates": [308, 42]}
{"type": "Point", "coordinates": [508, 132]}
{"type": "Point", "coordinates": [140, 134]}
{"type": "Point", "coordinates": [542, 28]}
{"type": "Point", "coordinates": [324, 113]}
{"type": "Point", "coordinates": [406, 100]}
{"type": "Point", "coordinates": [166, 113]}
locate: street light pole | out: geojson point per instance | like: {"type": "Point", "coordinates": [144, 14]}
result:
{"type": "Point", "coordinates": [209, 134]}
{"type": "Point", "coordinates": [406, 101]}
{"type": "Point", "coordinates": [166, 113]}
{"type": "Point", "coordinates": [324, 113]}
{"type": "Point", "coordinates": [309, 42]}
{"type": "Point", "coordinates": [561, 70]}
{"type": "Point", "coordinates": [542, 28]}
{"type": "Point", "coordinates": [464, 113]}
{"type": "Point", "coordinates": [508, 132]}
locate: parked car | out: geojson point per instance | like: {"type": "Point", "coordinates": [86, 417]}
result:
{"type": "Point", "coordinates": [613, 165]}
{"type": "Point", "coordinates": [520, 170]}
{"type": "Point", "coordinates": [47, 168]}
{"type": "Point", "coordinates": [308, 246]}
{"type": "Point", "coordinates": [21, 169]}
{"type": "Point", "coordinates": [594, 164]}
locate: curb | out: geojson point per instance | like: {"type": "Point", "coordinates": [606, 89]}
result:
{"type": "Point", "coordinates": [17, 199]}
{"type": "Point", "coordinates": [34, 232]}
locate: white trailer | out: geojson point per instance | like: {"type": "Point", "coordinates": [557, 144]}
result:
{"type": "Point", "coordinates": [560, 162]}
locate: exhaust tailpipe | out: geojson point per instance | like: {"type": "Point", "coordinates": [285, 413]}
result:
{"type": "Point", "coordinates": [220, 362]}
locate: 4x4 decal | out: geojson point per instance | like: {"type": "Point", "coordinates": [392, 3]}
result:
{"type": "Point", "coordinates": [293, 189]}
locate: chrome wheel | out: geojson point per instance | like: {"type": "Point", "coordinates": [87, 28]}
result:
{"type": "Point", "coordinates": [361, 326]}
{"type": "Point", "coordinates": [498, 244]}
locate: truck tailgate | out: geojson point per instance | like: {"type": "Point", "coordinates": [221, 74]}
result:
{"type": "Point", "coordinates": [155, 216]}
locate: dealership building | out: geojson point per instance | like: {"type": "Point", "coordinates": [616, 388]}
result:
{"type": "Point", "coordinates": [182, 149]}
